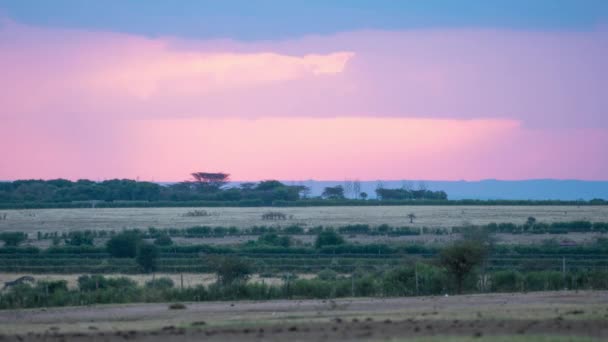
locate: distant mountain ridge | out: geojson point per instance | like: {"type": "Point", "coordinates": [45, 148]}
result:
{"type": "Point", "coordinates": [533, 189]}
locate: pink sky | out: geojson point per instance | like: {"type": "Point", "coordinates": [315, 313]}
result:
{"type": "Point", "coordinates": [418, 104]}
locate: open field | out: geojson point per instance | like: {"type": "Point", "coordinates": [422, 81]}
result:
{"type": "Point", "coordinates": [34, 220]}
{"type": "Point", "coordinates": [575, 316]}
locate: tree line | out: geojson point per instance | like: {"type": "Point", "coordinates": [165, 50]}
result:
{"type": "Point", "coordinates": [203, 186]}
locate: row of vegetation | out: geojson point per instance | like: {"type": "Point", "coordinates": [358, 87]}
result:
{"type": "Point", "coordinates": [212, 189]}
{"type": "Point", "coordinates": [129, 252]}
{"type": "Point", "coordinates": [204, 186]}
{"type": "Point", "coordinates": [162, 236]}
{"type": "Point", "coordinates": [457, 271]}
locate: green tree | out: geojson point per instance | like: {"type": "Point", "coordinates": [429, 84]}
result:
{"type": "Point", "coordinates": [147, 256]}
{"type": "Point", "coordinates": [231, 270]}
{"type": "Point", "coordinates": [13, 239]}
{"type": "Point", "coordinates": [333, 192]}
{"type": "Point", "coordinates": [123, 245]}
{"type": "Point", "coordinates": [328, 238]}
{"type": "Point", "coordinates": [460, 259]}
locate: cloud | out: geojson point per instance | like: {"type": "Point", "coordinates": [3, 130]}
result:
{"type": "Point", "coordinates": [443, 104]}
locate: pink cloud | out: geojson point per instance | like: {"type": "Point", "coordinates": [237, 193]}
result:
{"type": "Point", "coordinates": [452, 104]}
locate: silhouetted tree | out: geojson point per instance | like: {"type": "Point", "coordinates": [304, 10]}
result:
{"type": "Point", "coordinates": [211, 181]}
{"type": "Point", "coordinates": [333, 192]}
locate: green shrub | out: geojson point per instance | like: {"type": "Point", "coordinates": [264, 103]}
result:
{"type": "Point", "coordinates": [163, 240]}
{"type": "Point", "coordinates": [12, 239]}
{"type": "Point", "coordinates": [123, 245]}
{"type": "Point", "coordinates": [147, 257]}
{"type": "Point", "coordinates": [328, 238]}
{"type": "Point", "coordinates": [163, 283]}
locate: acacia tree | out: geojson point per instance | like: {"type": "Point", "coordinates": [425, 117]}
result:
{"type": "Point", "coordinates": [147, 256]}
{"type": "Point", "coordinates": [231, 270]}
{"type": "Point", "coordinates": [333, 192]}
{"type": "Point", "coordinates": [211, 181]}
{"type": "Point", "coordinates": [460, 259]}
{"type": "Point", "coordinates": [411, 217]}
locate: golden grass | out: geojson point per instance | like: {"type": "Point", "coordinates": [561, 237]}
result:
{"type": "Point", "coordinates": [431, 216]}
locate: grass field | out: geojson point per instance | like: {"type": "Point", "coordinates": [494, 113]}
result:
{"type": "Point", "coordinates": [547, 316]}
{"type": "Point", "coordinates": [33, 220]}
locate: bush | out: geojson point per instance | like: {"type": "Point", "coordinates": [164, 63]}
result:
{"type": "Point", "coordinates": [177, 306]}
{"type": "Point", "coordinates": [96, 282]}
{"type": "Point", "coordinates": [327, 274]}
{"type": "Point", "coordinates": [163, 240]}
{"type": "Point", "coordinates": [163, 283]}
{"type": "Point", "coordinates": [328, 238]}
{"type": "Point", "coordinates": [123, 245]}
{"type": "Point", "coordinates": [506, 281]}
{"type": "Point", "coordinates": [272, 239]}
{"type": "Point", "coordinates": [460, 259]}
{"type": "Point", "coordinates": [231, 270]}
{"type": "Point", "coordinates": [146, 257]}
{"type": "Point", "coordinates": [13, 239]}
{"type": "Point", "coordinates": [274, 215]}
{"type": "Point", "coordinates": [79, 238]}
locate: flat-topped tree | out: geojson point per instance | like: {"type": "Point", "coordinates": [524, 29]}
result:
{"type": "Point", "coordinates": [211, 181]}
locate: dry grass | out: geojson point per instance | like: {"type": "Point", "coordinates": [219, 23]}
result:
{"type": "Point", "coordinates": [432, 216]}
{"type": "Point", "coordinates": [190, 279]}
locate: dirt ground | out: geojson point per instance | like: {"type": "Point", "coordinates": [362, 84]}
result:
{"type": "Point", "coordinates": [51, 220]}
{"type": "Point", "coordinates": [577, 314]}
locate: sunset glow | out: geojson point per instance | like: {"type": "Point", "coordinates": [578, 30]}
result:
{"type": "Point", "coordinates": [433, 103]}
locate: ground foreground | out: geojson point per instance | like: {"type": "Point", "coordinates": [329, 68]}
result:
{"type": "Point", "coordinates": [575, 316]}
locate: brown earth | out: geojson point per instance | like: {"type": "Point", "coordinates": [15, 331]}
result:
{"type": "Point", "coordinates": [552, 313]}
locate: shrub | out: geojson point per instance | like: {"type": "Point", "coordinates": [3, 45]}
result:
{"type": "Point", "coordinates": [274, 215]}
{"type": "Point", "coordinates": [96, 282]}
{"type": "Point", "coordinates": [163, 283]}
{"type": "Point", "coordinates": [328, 238]}
{"type": "Point", "coordinates": [78, 238]}
{"type": "Point", "coordinates": [177, 306]}
{"type": "Point", "coordinates": [272, 239]}
{"type": "Point", "coordinates": [197, 213]}
{"type": "Point", "coordinates": [163, 240]}
{"type": "Point", "coordinates": [507, 281]}
{"type": "Point", "coordinates": [327, 274]}
{"type": "Point", "coordinates": [123, 245]}
{"type": "Point", "coordinates": [146, 257]}
{"type": "Point", "coordinates": [460, 259]}
{"type": "Point", "coordinates": [13, 239]}
{"type": "Point", "coordinates": [231, 269]}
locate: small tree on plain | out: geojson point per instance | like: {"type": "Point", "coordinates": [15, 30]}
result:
{"type": "Point", "coordinates": [333, 192]}
{"type": "Point", "coordinates": [147, 256]}
{"type": "Point", "coordinates": [231, 270]}
{"type": "Point", "coordinates": [460, 259]}
{"type": "Point", "coordinates": [123, 245]}
{"type": "Point", "coordinates": [411, 217]}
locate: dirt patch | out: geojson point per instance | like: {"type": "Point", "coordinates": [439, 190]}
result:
{"type": "Point", "coordinates": [556, 313]}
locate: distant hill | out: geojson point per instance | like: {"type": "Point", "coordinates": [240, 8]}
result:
{"type": "Point", "coordinates": [535, 189]}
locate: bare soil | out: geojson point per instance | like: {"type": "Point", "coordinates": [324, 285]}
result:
{"type": "Point", "coordinates": [534, 314]}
